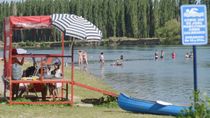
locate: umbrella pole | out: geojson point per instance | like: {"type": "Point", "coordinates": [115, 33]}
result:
{"type": "Point", "coordinates": [72, 71]}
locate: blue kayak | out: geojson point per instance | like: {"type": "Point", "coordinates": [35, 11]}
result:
{"type": "Point", "coordinates": [152, 107]}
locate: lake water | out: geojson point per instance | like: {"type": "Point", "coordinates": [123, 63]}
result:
{"type": "Point", "coordinates": [143, 77]}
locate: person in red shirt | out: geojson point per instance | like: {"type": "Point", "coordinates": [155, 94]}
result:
{"type": "Point", "coordinates": [173, 55]}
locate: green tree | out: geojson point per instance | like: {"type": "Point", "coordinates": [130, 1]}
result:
{"type": "Point", "coordinates": [111, 23]}
{"type": "Point", "coordinates": [120, 31]}
{"type": "Point", "coordinates": [170, 32]}
{"type": "Point", "coordinates": [128, 21]}
{"type": "Point", "coordinates": [150, 18]}
{"type": "Point", "coordinates": [105, 17]}
{"type": "Point", "coordinates": [156, 16]}
{"type": "Point", "coordinates": [142, 18]}
{"type": "Point", "coordinates": [130, 18]}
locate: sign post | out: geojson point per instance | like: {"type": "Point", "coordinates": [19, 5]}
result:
{"type": "Point", "coordinates": [194, 30]}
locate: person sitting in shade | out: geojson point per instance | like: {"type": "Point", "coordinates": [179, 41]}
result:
{"type": "Point", "coordinates": [53, 88]}
{"type": "Point", "coordinates": [16, 72]}
{"type": "Point", "coordinates": [57, 71]}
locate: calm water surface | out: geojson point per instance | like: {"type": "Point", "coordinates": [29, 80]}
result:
{"type": "Point", "coordinates": [143, 77]}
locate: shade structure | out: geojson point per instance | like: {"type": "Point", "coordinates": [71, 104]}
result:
{"type": "Point", "coordinates": [30, 22]}
{"type": "Point", "coordinates": [76, 26]}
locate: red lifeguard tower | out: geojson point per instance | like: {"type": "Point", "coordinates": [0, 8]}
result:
{"type": "Point", "coordinates": [13, 23]}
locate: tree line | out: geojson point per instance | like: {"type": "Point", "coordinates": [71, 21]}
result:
{"type": "Point", "coordinates": [115, 18]}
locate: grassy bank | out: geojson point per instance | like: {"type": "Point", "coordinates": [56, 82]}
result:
{"type": "Point", "coordinates": [62, 111]}
{"type": "Point", "coordinates": [67, 111]}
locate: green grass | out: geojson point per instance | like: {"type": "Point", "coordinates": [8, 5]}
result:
{"type": "Point", "coordinates": [63, 111]}
{"type": "Point", "coordinates": [90, 80]}
{"type": "Point", "coordinates": [108, 110]}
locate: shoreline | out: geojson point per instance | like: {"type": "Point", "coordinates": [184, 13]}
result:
{"type": "Point", "coordinates": [116, 41]}
{"type": "Point", "coordinates": [110, 42]}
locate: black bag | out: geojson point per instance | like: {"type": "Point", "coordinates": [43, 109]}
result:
{"type": "Point", "coordinates": [29, 71]}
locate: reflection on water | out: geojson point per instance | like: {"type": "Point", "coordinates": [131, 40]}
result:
{"type": "Point", "coordinates": [142, 77]}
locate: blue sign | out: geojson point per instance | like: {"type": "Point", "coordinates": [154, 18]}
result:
{"type": "Point", "coordinates": [194, 25]}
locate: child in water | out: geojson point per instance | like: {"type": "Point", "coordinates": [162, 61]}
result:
{"type": "Point", "coordinates": [173, 55]}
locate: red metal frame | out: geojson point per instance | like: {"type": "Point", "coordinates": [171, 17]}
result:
{"type": "Point", "coordinates": [9, 27]}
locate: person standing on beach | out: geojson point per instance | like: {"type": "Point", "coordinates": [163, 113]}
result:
{"type": "Point", "coordinates": [101, 58]}
{"type": "Point", "coordinates": [84, 57]}
{"type": "Point", "coordinates": [80, 58]}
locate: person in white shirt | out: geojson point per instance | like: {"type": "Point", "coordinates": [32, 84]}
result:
{"type": "Point", "coordinates": [53, 88]}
